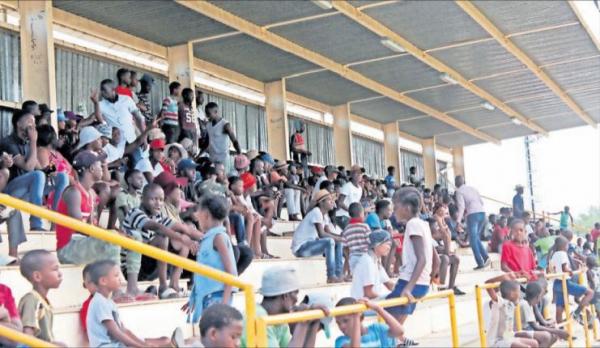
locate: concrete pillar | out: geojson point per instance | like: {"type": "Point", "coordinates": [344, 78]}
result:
{"type": "Point", "coordinates": [458, 161]}
{"type": "Point", "coordinates": [391, 150]}
{"type": "Point", "coordinates": [277, 120]}
{"type": "Point", "coordinates": [181, 64]}
{"type": "Point", "coordinates": [38, 73]}
{"type": "Point", "coordinates": [342, 135]}
{"type": "Point", "coordinates": [429, 162]}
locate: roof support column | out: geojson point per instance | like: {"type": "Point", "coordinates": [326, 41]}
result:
{"type": "Point", "coordinates": [277, 119]}
{"type": "Point", "coordinates": [391, 150]}
{"type": "Point", "coordinates": [37, 53]}
{"type": "Point", "coordinates": [458, 161]}
{"type": "Point", "coordinates": [342, 135]}
{"type": "Point", "coordinates": [429, 162]}
{"type": "Point", "coordinates": [181, 64]}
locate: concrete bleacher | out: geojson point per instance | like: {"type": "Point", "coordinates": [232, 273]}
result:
{"type": "Point", "coordinates": [430, 324]}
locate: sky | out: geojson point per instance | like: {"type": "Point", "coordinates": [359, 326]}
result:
{"type": "Point", "coordinates": [566, 167]}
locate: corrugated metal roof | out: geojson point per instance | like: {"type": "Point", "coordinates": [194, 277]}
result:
{"type": "Point", "coordinates": [336, 37]}
{"type": "Point", "coordinates": [451, 97]}
{"type": "Point", "coordinates": [587, 99]}
{"type": "Point", "coordinates": [383, 110]}
{"type": "Point", "coordinates": [402, 73]}
{"type": "Point", "coordinates": [480, 59]}
{"type": "Point", "coordinates": [265, 12]}
{"type": "Point", "coordinates": [581, 73]}
{"type": "Point", "coordinates": [457, 139]}
{"type": "Point", "coordinates": [518, 16]}
{"type": "Point", "coordinates": [428, 24]}
{"type": "Point", "coordinates": [560, 122]}
{"type": "Point", "coordinates": [594, 113]}
{"type": "Point", "coordinates": [425, 127]}
{"type": "Point", "coordinates": [544, 106]}
{"type": "Point", "coordinates": [328, 88]}
{"type": "Point", "coordinates": [251, 57]}
{"type": "Point", "coordinates": [521, 84]}
{"type": "Point", "coordinates": [480, 117]}
{"type": "Point", "coordinates": [507, 131]}
{"type": "Point", "coordinates": [556, 45]}
{"type": "Point", "coordinates": [164, 22]}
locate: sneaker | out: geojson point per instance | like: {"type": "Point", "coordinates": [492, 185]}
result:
{"type": "Point", "coordinates": [487, 262]}
{"type": "Point", "coordinates": [6, 212]}
{"type": "Point", "coordinates": [577, 317]}
{"type": "Point", "coordinates": [408, 342]}
{"type": "Point", "coordinates": [458, 292]}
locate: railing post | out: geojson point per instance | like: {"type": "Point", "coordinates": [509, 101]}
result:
{"type": "Point", "coordinates": [567, 310]}
{"type": "Point", "coordinates": [594, 322]}
{"type": "Point", "coordinates": [261, 333]}
{"type": "Point", "coordinates": [250, 316]}
{"type": "Point", "coordinates": [518, 317]}
{"type": "Point", "coordinates": [586, 329]}
{"type": "Point", "coordinates": [453, 323]}
{"type": "Point", "coordinates": [482, 338]}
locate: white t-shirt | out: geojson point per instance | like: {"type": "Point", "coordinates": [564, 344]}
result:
{"type": "Point", "coordinates": [120, 114]}
{"type": "Point", "coordinates": [307, 230]}
{"type": "Point", "coordinates": [352, 194]}
{"type": "Point", "coordinates": [558, 259]}
{"type": "Point", "coordinates": [114, 152]}
{"type": "Point", "coordinates": [501, 324]}
{"type": "Point", "coordinates": [416, 227]}
{"type": "Point", "coordinates": [527, 314]}
{"type": "Point", "coordinates": [528, 229]}
{"type": "Point", "coordinates": [368, 271]}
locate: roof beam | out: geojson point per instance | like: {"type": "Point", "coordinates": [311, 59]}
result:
{"type": "Point", "coordinates": [584, 24]}
{"type": "Point", "coordinates": [248, 28]}
{"type": "Point", "coordinates": [488, 26]}
{"type": "Point", "coordinates": [383, 31]}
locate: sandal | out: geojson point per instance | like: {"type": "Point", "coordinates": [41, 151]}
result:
{"type": "Point", "coordinates": [168, 293]}
{"type": "Point", "coordinates": [408, 342]}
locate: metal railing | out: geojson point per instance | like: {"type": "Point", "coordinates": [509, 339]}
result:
{"type": "Point", "coordinates": [568, 323]}
{"type": "Point", "coordinates": [296, 317]}
{"type": "Point", "coordinates": [18, 336]}
{"type": "Point", "coordinates": [144, 249]}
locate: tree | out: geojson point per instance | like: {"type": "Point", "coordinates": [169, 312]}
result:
{"type": "Point", "coordinates": [587, 220]}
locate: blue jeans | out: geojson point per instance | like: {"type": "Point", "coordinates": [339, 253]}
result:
{"type": "Point", "coordinates": [28, 187]}
{"type": "Point", "coordinates": [474, 223]}
{"type": "Point", "coordinates": [61, 181]}
{"type": "Point", "coordinates": [239, 227]}
{"type": "Point", "coordinates": [334, 256]}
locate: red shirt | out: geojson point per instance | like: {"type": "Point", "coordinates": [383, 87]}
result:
{"type": "Point", "coordinates": [8, 301]}
{"type": "Point", "coordinates": [63, 234]}
{"type": "Point", "coordinates": [83, 313]}
{"type": "Point", "coordinates": [595, 234]}
{"type": "Point", "coordinates": [518, 257]}
{"type": "Point", "coordinates": [498, 237]}
{"type": "Point", "coordinates": [124, 91]}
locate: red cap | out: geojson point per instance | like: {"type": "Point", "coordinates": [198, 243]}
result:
{"type": "Point", "coordinates": [248, 179]}
{"type": "Point", "coordinates": [169, 181]}
{"type": "Point", "coordinates": [157, 144]}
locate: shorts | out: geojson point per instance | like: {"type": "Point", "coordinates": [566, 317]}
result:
{"type": "Point", "coordinates": [573, 289]}
{"type": "Point", "coordinates": [407, 309]}
{"type": "Point", "coordinates": [211, 299]}
{"type": "Point", "coordinates": [503, 343]}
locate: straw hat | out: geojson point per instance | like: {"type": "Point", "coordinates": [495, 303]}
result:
{"type": "Point", "coordinates": [320, 196]}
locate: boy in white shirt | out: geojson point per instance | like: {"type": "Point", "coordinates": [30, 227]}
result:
{"type": "Point", "coordinates": [559, 262]}
{"type": "Point", "coordinates": [370, 279]}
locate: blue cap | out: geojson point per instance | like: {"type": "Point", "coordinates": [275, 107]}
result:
{"type": "Point", "coordinates": [60, 115]}
{"type": "Point", "coordinates": [267, 158]}
{"type": "Point", "coordinates": [186, 163]}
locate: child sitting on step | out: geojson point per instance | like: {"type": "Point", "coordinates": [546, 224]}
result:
{"type": "Point", "coordinates": [104, 326]}
{"type": "Point", "coordinates": [530, 320]}
{"type": "Point", "coordinates": [374, 335]}
{"type": "Point", "coordinates": [42, 270]}
{"type": "Point", "coordinates": [221, 326]}
{"type": "Point", "coordinates": [500, 329]}
{"type": "Point", "coordinates": [516, 255]}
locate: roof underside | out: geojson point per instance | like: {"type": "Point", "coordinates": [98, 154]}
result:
{"type": "Point", "coordinates": [548, 32]}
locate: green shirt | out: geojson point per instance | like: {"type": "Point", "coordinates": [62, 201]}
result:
{"type": "Point", "coordinates": [278, 336]}
{"type": "Point", "coordinates": [36, 313]}
{"type": "Point", "coordinates": [545, 244]}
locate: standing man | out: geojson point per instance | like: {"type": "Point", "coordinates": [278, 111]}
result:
{"type": "Point", "coordinates": [169, 113]}
{"type": "Point", "coordinates": [202, 120]}
{"type": "Point", "coordinates": [143, 104]}
{"type": "Point", "coordinates": [25, 182]}
{"type": "Point", "coordinates": [470, 205]}
{"type": "Point", "coordinates": [187, 119]}
{"type": "Point", "coordinates": [412, 177]}
{"type": "Point", "coordinates": [124, 80]}
{"type": "Point", "coordinates": [219, 132]}
{"type": "Point", "coordinates": [390, 182]}
{"type": "Point", "coordinates": [350, 193]}
{"type": "Point", "coordinates": [518, 205]}
{"type": "Point", "coordinates": [298, 148]}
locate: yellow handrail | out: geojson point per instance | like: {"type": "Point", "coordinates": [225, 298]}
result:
{"type": "Point", "coordinates": [263, 322]}
{"type": "Point", "coordinates": [145, 249]}
{"type": "Point", "coordinates": [18, 336]}
{"type": "Point", "coordinates": [569, 326]}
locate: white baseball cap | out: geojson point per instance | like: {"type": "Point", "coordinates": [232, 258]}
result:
{"type": "Point", "coordinates": [279, 280]}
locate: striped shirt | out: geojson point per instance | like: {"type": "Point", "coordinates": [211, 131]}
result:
{"type": "Point", "coordinates": [356, 237]}
{"type": "Point", "coordinates": [170, 109]}
{"type": "Point", "coordinates": [137, 218]}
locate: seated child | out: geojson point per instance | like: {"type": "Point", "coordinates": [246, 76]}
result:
{"type": "Point", "coordinates": [370, 278]}
{"type": "Point", "coordinates": [516, 254]}
{"type": "Point", "coordinates": [499, 235]}
{"type": "Point", "coordinates": [104, 327]}
{"type": "Point", "coordinates": [355, 236]}
{"type": "Point", "coordinates": [529, 320]}
{"type": "Point", "coordinates": [374, 335]}
{"type": "Point", "coordinates": [543, 245]}
{"type": "Point", "coordinates": [221, 326]}
{"type": "Point", "coordinates": [91, 287]}
{"type": "Point", "coordinates": [147, 224]}
{"type": "Point", "coordinates": [448, 260]}
{"type": "Point", "coordinates": [593, 278]}
{"type": "Point", "coordinates": [42, 270]}
{"type": "Point", "coordinates": [559, 262]}
{"type": "Point", "coordinates": [216, 251]}
{"type": "Point", "coordinates": [500, 329]}
{"type": "Point", "coordinates": [9, 315]}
